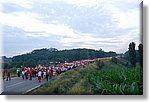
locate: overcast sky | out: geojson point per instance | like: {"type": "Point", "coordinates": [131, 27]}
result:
{"type": "Point", "coordinates": [66, 24]}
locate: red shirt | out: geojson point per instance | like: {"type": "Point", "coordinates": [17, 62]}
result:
{"type": "Point", "coordinates": [8, 73]}
{"type": "Point", "coordinates": [3, 72]}
{"type": "Point", "coordinates": [51, 73]}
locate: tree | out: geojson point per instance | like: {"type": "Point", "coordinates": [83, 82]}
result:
{"type": "Point", "coordinates": [45, 56]}
{"type": "Point", "coordinates": [141, 54]}
{"type": "Point", "coordinates": [132, 54]}
{"type": "Point", "coordinates": [140, 50]}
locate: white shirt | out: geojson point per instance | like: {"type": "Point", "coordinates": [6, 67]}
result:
{"type": "Point", "coordinates": [44, 73]}
{"type": "Point", "coordinates": [23, 72]}
{"type": "Point", "coordinates": [18, 70]}
{"type": "Point", "coordinates": [39, 73]}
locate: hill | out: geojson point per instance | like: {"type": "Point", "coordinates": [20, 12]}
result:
{"type": "Point", "coordinates": [53, 56]}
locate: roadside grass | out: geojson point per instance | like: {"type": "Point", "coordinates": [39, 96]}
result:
{"type": "Point", "coordinates": [112, 79]}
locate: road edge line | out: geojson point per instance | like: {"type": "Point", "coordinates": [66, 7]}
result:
{"type": "Point", "coordinates": [31, 89]}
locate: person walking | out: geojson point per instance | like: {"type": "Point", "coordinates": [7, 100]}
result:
{"type": "Point", "coordinates": [8, 75]}
{"type": "Point", "coordinates": [18, 72]}
{"type": "Point", "coordinates": [39, 75]}
{"type": "Point", "coordinates": [47, 74]}
{"type": "Point", "coordinates": [26, 74]}
{"type": "Point", "coordinates": [23, 74]}
{"type": "Point", "coordinates": [44, 74]}
{"type": "Point", "coordinates": [50, 73]}
{"type": "Point", "coordinates": [3, 74]}
{"type": "Point", "coordinates": [30, 72]}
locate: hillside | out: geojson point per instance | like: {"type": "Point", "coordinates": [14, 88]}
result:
{"type": "Point", "coordinates": [112, 79]}
{"type": "Point", "coordinates": [54, 56]}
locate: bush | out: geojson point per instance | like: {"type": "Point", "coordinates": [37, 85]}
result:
{"type": "Point", "coordinates": [114, 60]}
{"type": "Point", "coordinates": [13, 70]}
{"type": "Point", "coordinates": [99, 64]}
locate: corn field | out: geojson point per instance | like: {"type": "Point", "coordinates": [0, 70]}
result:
{"type": "Point", "coordinates": [111, 79]}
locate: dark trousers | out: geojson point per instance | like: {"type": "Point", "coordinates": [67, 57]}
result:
{"type": "Point", "coordinates": [47, 77]}
{"type": "Point", "coordinates": [23, 76]}
{"type": "Point", "coordinates": [18, 74]}
{"type": "Point", "coordinates": [26, 76]}
{"type": "Point", "coordinates": [8, 78]}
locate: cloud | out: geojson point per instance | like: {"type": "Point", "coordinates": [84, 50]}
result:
{"type": "Point", "coordinates": [19, 20]}
{"type": "Point", "coordinates": [85, 3]}
{"type": "Point", "coordinates": [109, 25]}
{"type": "Point", "coordinates": [23, 3]}
{"type": "Point", "coordinates": [29, 23]}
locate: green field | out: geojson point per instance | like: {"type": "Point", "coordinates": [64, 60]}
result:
{"type": "Point", "coordinates": [111, 79]}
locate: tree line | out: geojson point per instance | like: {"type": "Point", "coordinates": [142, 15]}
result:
{"type": "Point", "coordinates": [54, 56]}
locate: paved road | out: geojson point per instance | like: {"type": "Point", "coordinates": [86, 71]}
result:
{"type": "Point", "coordinates": [18, 86]}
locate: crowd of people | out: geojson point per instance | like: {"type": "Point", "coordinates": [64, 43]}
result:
{"type": "Point", "coordinates": [47, 72]}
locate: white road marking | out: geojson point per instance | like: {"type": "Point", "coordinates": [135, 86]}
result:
{"type": "Point", "coordinates": [14, 84]}
{"type": "Point", "coordinates": [32, 89]}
